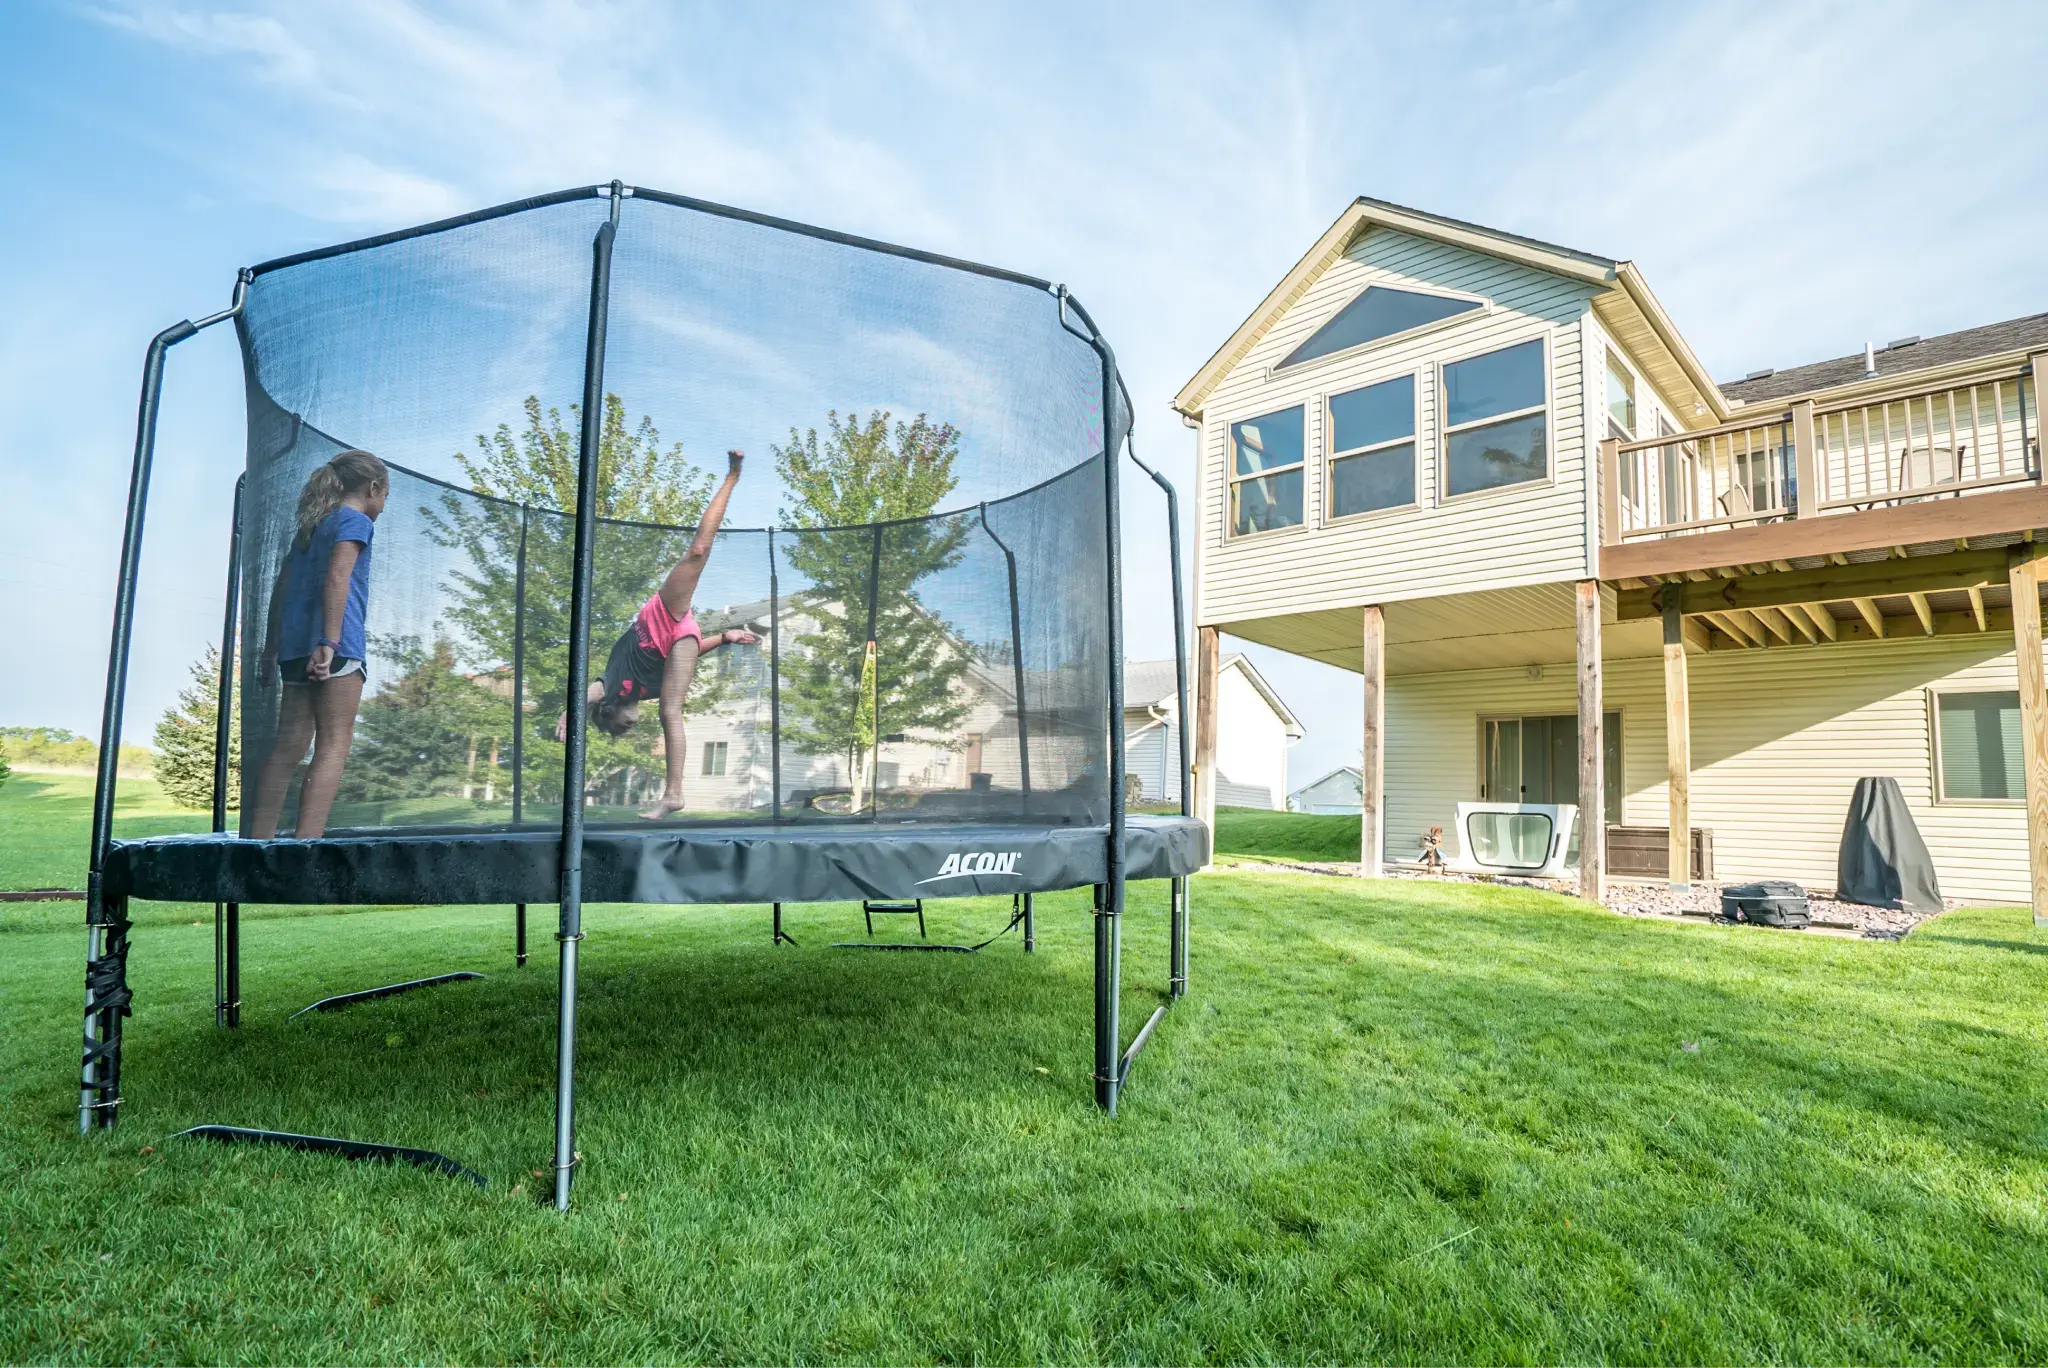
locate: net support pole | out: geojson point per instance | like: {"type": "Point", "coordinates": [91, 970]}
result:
{"type": "Point", "coordinates": [1017, 669]}
{"type": "Point", "coordinates": [1110, 905]}
{"type": "Point", "coordinates": [774, 696]}
{"type": "Point", "coordinates": [519, 717]}
{"type": "Point", "coordinates": [106, 943]}
{"type": "Point", "coordinates": [570, 933]}
{"type": "Point", "coordinates": [1177, 897]}
{"type": "Point", "coordinates": [223, 724]}
{"type": "Point", "coordinates": [874, 663]}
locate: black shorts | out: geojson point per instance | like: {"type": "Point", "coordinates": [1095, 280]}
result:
{"type": "Point", "coordinates": [634, 671]}
{"type": "Point", "coordinates": [293, 671]}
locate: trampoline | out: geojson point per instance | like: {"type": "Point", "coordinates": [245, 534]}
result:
{"type": "Point", "coordinates": [917, 591]}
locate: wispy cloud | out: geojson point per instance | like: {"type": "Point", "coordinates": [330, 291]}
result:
{"type": "Point", "coordinates": [1794, 177]}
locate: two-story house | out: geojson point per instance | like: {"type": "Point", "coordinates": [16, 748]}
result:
{"type": "Point", "coordinates": [1489, 474]}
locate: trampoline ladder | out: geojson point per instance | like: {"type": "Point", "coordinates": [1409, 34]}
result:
{"type": "Point", "coordinates": [869, 908]}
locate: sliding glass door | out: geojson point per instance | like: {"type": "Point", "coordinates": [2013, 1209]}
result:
{"type": "Point", "coordinates": [1536, 760]}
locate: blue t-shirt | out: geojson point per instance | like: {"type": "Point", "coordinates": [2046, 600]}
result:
{"type": "Point", "coordinates": [305, 587]}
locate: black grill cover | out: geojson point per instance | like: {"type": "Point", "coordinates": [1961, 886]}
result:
{"type": "Point", "coordinates": [1883, 861]}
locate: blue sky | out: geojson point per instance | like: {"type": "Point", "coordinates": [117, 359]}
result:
{"type": "Point", "coordinates": [1794, 180]}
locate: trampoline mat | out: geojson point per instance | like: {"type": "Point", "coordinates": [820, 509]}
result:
{"type": "Point", "coordinates": [651, 864]}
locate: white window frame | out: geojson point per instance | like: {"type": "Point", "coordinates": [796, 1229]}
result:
{"type": "Point", "coordinates": [1420, 376]}
{"type": "Point", "coordinates": [1231, 479]}
{"type": "Point", "coordinates": [723, 750]}
{"type": "Point", "coordinates": [1445, 430]}
{"type": "Point", "coordinates": [1635, 386]}
{"type": "Point", "coordinates": [1935, 692]}
{"type": "Point", "coordinates": [1274, 370]}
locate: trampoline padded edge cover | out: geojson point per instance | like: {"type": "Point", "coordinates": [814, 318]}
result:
{"type": "Point", "coordinates": [741, 864]}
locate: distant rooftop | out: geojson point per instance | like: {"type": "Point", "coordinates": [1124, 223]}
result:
{"type": "Point", "coordinates": [1895, 358]}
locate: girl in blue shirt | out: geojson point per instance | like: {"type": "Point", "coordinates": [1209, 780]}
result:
{"type": "Point", "coordinates": [315, 644]}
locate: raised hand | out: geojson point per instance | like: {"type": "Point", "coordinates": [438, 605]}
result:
{"type": "Point", "coordinates": [734, 459]}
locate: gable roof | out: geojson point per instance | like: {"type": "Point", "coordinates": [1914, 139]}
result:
{"type": "Point", "coordinates": [1623, 299]}
{"type": "Point", "coordinates": [1899, 358]}
{"type": "Point", "coordinates": [1352, 770]}
{"type": "Point", "coordinates": [1156, 684]}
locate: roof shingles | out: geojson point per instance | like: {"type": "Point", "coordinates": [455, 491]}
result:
{"type": "Point", "coordinates": [1989, 340]}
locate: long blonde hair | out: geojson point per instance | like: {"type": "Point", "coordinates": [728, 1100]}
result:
{"type": "Point", "coordinates": [349, 472]}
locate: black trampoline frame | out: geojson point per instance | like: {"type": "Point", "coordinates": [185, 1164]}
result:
{"type": "Point", "coordinates": [108, 998]}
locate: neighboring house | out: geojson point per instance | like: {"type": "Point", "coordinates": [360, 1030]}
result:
{"type": "Point", "coordinates": [1489, 474]}
{"type": "Point", "coordinates": [1254, 730]}
{"type": "Point", "coordinates": [1338, 793]}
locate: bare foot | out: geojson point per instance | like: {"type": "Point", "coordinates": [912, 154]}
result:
{"type": "Point", "coordinates": [662, 808]}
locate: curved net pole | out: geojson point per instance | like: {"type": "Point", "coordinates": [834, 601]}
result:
{"type": "Point", "coordinates": [570, 932]}
{"type": "Point", "coordinates": [106, 945]}
{"type": "Point", "coordinates": [1109, 897]}
{"type": "Point", "coordinates": [227, 917]}
{"type": "Point", "coordinates": [1177, 912]}
{"type": "Point", "coordinates": [1017, 664]}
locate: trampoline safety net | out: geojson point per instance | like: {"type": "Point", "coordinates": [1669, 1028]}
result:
{"type": "Point", "coordinates": [917, 541]}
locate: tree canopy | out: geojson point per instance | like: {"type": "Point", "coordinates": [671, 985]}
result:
{"type": "Point", "coordinates": [183, 761]}
{"type": "Point", "coordinates": [863, 584]}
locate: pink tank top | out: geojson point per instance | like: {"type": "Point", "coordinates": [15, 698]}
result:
{"type": "Point", "coordinates": [659, 629]}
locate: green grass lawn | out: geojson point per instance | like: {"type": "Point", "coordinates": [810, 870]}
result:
{"type": "Point", "coordinates": [1260, 834]}
{"type": "Point", "coordinates": [1394, 1121]}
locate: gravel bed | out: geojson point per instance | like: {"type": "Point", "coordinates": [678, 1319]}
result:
{"type": "Point", "coordinates": [1643, 899]}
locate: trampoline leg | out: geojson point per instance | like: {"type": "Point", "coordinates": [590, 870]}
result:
{"type": "Point", "coordinates": [565, 1075]}
{"type": "Point", "coordinates": [1108, 957]}
{"type": "Point", "coordinates": [1177, 938]}
{"type": "Point", "coordinates": [231, 1001]}
{"type": "Point", "coordinates": [106, 1003]}
{"type": "Point", "coordinates": [783, 937]}
{"type": "Point", "coordinates": [519, 935]}
{"type": "Point", "coordinates": [1030, 924]}
{"type": "Point", "coordinates": [220, 966]}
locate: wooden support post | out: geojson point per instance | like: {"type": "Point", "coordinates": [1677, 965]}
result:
{"type": "Point", "coordinates": [1806, 463]}
{"type": "Point", "coordinates": [2025, 579]}
{"type": "Point", "coordinates": [1677, 736]}
{"type": "Point", "coordinates": [1208, 663]}
{"type": "Point", "coordinates": [1372, 769]}
{"type": "Point", "coordinates": [1592, 748]}
{"type": "Point", "coordinates": [1610, 492]}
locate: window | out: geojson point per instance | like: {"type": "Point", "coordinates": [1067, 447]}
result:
{"type": "Point", "coordinates": [1621, 398]}
{"type": "Point", "coordinates": [1977, 747]}
{"type": "Point", "coordinates": [714, 757]}
{"type": "Point", "coordinates": [1378, 313]}
{"type": "Point", "coordinates": [1496, 423]}
{"type": "Point", "coordinates": [1372, 444]}
{"type": "Point", "coordinates": [1265, 472]}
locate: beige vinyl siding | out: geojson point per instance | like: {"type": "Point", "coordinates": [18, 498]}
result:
{"type": "Point", "coordinates": [1520, 535]}
{"type": "Point", "coordinates": [1779, 739]}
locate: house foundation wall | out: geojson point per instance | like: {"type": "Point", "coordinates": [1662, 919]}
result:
{"type": "Point", "coordinates": [1779, 738]}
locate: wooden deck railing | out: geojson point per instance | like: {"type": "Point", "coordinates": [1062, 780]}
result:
{"type": "Point", "coordinates": [1809, 461]}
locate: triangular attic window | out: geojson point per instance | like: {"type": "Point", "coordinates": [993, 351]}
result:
{"type": "Point", "coordinates": [1379, 312]}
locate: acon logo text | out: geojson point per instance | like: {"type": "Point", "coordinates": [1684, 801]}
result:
{"type": "Point", "coordinates": [968, 864]}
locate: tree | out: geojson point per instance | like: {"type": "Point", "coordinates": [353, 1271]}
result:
{"type": "Point", "coordinates": [184, 740]}
{"type": "Point", "coordinates": [653, 493]}
{"type": "Point", "coordinates": [877, 655]}
{"type": "Point", "coordinates": [431, 733]}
